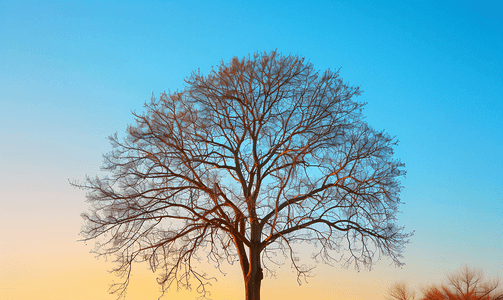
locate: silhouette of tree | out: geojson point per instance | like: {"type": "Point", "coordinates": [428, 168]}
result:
{"type": "Point", "coordinates": [466, 284]}
{"type": "Point", "coordinates": [260, 154]}
{"type": "Point", "coordinates": [400, 291]}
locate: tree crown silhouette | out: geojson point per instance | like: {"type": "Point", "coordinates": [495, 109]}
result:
{"type": "Point", "coordinates": [263, 152]}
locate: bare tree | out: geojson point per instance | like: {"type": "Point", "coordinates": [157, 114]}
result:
{"type": "Point", "coordinates": [260, 154]}
{"type": "Point", "coordinates": [466, 284]}
{"type": "Point", "coordinates": [400, 291]}
{"type": "Point", "coordinates": [438, 293]}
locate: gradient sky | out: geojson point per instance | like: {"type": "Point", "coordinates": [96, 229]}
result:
{"type": "Point", "coordinates": [71, 72]}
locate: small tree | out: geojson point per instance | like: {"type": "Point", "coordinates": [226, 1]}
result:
{"type": "Point", "coordinates": [260, 154]}
{"type": "Point", "coordinates": [466, 284]}
{"type": "Point", "coordinates": [400, 291]}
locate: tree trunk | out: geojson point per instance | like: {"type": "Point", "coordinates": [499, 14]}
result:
{"type": "Point", "coordinates": [254, 277]}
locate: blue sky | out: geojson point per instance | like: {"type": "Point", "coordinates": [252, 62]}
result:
{"type": "Point", "coordinates": [431, 71]}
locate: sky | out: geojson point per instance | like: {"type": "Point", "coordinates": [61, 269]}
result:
{"type": "Point", "coordinates": [71, 73]}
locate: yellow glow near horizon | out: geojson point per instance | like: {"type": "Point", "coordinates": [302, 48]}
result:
{"type": "Point", "coordinates": [78, 275]}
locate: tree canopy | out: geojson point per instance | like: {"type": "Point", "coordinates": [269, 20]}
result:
{"type": "Point", "coordinates": [465, 284]}
{"type": "Point", "coordinates": [263, 152]}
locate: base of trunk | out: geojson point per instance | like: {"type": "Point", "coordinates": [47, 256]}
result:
{"type": "Point", "coordinates": [252, 285]}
